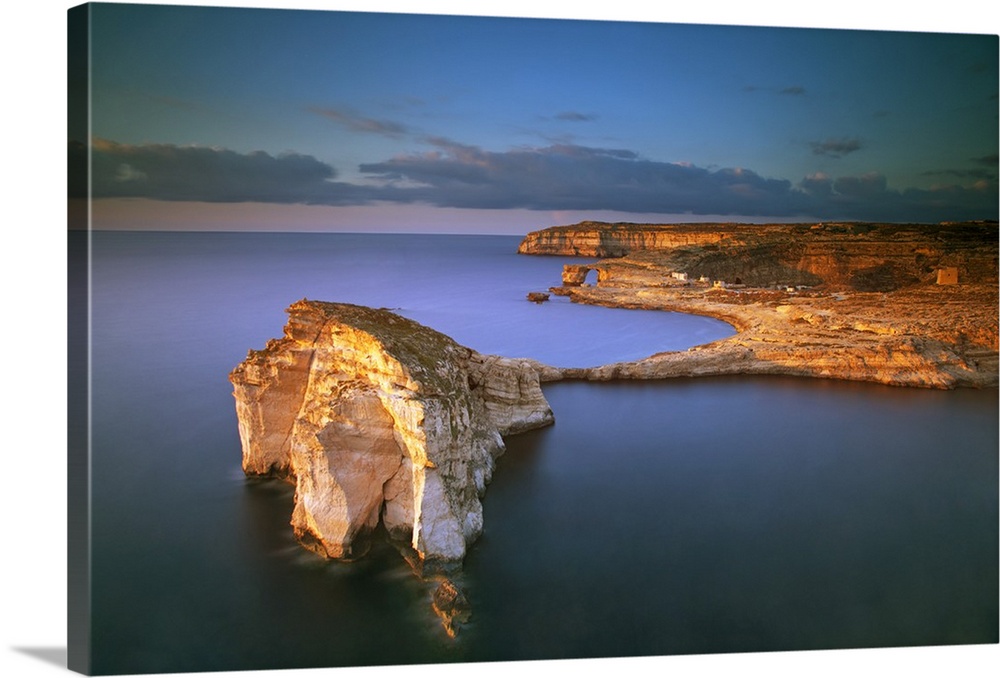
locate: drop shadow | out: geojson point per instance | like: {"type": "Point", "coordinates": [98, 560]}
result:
{"type": "Point", "coordinates": [57, 656]}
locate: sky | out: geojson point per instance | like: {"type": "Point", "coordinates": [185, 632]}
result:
{"type": "Point", "coordinates": [249, 118]}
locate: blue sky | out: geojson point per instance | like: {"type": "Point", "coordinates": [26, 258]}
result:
{"type": "Point", "coordinates": [269, 119]}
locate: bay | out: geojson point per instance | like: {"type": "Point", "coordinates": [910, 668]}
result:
{"type": "Point", "coordinates": [675, 517]}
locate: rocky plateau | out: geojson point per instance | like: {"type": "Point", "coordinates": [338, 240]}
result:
{"type": "Point", "coordinates": [900, 304]}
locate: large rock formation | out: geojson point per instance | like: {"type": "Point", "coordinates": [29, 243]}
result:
{"type": "Point", "coordinates": [857, 256]}
{"type": "Point", "coordinates": [854, 301]}
{"type": "Point", "coordinates": [599, 239]}
{"type": "Point", "coordinates": [377, 418]}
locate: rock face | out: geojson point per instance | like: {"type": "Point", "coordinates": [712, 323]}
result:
{"type": "Point", "coordinates": [378, 419]}
{"type": "Point", "coordinates": [858, 256]}
{"type": "Point", "coordinates": [865, 337]}
{"type": "Point", "coordinates": [451, 605]}
{"type": "Point", "coordinates": [598, 239]}
{"type": "Point", "coordinates": [574, 275]}
{"type": "Point", "coordinates": [856, 301]}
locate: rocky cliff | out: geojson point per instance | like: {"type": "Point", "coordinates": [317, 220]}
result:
{"type": "Point", "coordinates": [378, 419]}
{"type": "Point", "coordinates": [860, 256]}
{"type": "Point", "coordinates": [599, 239]}
{"type": "Point", "coordinates": [852, 301]}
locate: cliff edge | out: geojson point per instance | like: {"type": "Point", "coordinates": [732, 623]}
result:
{"type": "Point", "coordinates": [898, 304]}
{"type": "Point", "coordinates": [860, 256]}
{"type": "Point", "coordinates": [378, 419]}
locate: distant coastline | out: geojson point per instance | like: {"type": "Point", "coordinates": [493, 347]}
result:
{"type": "Point", "coordinates": [898, 304]}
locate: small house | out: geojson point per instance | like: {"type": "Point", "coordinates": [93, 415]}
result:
{"type": "Point", "coordinates": [947, 276]}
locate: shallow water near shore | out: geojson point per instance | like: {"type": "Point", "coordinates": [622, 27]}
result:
{"type": "Point", "coordinates": [685, 516]}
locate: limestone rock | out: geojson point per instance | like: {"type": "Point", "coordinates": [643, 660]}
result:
{"type": "Point", "coordinates": [865, 257]}
{"type": "Point", "coordinates": [857, 301]}
{"type": "Point", "coordinates": [932, 336]}
{"type": "Point", "coordinates": [598, 239]}
{"type": "Point", "coordinates": [574, 274]}
{"type": "Point", "coordinates": [378, 418]}
{"type": "Point", "coordinates": [451, 605]}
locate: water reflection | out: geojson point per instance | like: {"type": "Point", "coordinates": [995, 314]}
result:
{"type": "Point", "coordinates": [743, 515]}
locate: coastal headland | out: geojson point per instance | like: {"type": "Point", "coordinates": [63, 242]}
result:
{"type": "Point", "coordinates": [383, 424]}
{"type": "Point", "coordinates": [898, 304]}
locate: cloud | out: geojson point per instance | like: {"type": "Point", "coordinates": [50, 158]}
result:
{"type": "Point", "coordinates": [573, 116]}
{"type": "Point", "coordinates": [127, 173]}
{"type": "Point", "coordinates": [986, 170]}
{"type": "Point", "coordinates": [975, 173]}
{"type": "Point", "coordinates": [868, 197]}
{"type": "Point", "coordinates": [835, 148]}
{"type": "Point", "coordinates": [791, 90]}
{"type": "Point", "coordinates": [567, 176]}
{"type": "Point", "coordinates": [357, 123]}
{"type": "Point", "coordinates": [200, 173]}
{"type": "Point", "coordinates": [818, 184]}
{"type": "Point", "coordinates": [555, 177]}
{"type": "Point", "coordinates": [864, 186]}
{"type": "Point", "coordinates": [573, 177]}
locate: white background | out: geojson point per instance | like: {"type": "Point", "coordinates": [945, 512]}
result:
{"type": "Point", "coordinates": [33, 331]}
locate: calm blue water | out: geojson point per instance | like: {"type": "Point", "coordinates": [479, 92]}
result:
{"type": "Point", "coordinates": [676, 517]}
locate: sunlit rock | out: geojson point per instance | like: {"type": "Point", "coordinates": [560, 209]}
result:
{"type": "Point", "coordinates": [377, 418]}
{"type": "Point", "coordinates": [857, 301]}
{"type": "Point", "coordinates": [451, 605]}
{"type": "Point", "coordinates": [574, 275]}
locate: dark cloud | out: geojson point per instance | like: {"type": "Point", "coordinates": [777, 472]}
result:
{"type": "Point", "coordinates": [791, 90]}
{"type": "Point", "coordinates": [199, 173]}
{"type": "Point", "coordinates": [986, 169]}
{"type": "Point", "coordinates": [567, 176]}
{"type": "Point", "coordinates": [819, 185]}
{"type": "Point", "coordinates": [573, 116]}
{"type": "Point", "coordinates": [865, 186]}
{"type": "Point", "coordinates": [554, 177]}
{"type": "Point", "coordinates": [835, 148]}
{"type": "Point", "coordinates": [357, 123]}
{"type": "Point", "coordinates": [975, 173]}
{"type": "Point", "coordinates": [868, 197]}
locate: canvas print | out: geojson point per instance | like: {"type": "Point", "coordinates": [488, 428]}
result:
{"type": "Point", "coordinates": [407, 339]}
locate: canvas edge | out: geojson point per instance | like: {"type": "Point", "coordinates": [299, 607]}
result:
{"type": "Point", "coordinates": [78, 352]}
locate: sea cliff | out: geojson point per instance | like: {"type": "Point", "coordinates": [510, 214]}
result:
{"type": "Point", "coordinates": [861, 256]}
{"type": "Point", "coordinates": [378, 419]}
{"type": "Point", "coordinates": [598, 239]}
{"type": "Point", "coordinates": [899, 304]}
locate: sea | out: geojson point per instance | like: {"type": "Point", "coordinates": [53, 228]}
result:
{"type": "Point", "coordinates": [684, 516]}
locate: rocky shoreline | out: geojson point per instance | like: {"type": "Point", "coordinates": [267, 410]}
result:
{"type": "Point", "coordinates": [904, 305]}
{"type": "Point", "coordinates": [384, 424]}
